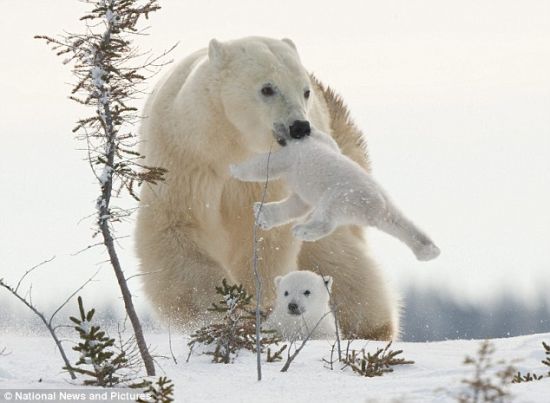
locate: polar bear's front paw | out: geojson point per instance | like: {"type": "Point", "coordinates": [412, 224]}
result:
{"type": "Point", "coordinates": [427, 252]}
{"type": "Point", "coordinates": [311, 232]}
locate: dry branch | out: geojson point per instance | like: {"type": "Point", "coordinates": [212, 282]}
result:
{"type": "Point", "coordinates": [291, 357]}
{"type": "Point", "coordinates": [48, 322]}
{"type": "Point", "coordinates": [257, 279]}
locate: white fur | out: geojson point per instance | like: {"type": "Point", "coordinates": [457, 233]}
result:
{"type": "Point", "coordinates": [195, 228]}
{"type": "Point", "coordinates": [315, 316]}
{"type": "Point", "coordinates": [337, 188]}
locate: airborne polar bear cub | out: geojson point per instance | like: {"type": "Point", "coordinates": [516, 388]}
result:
{"type": "Point", "coordinates": [302, 307]}
{"type": "Point", "coordinates": [338, 189]}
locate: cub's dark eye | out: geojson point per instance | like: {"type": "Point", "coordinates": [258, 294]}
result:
{"type": "Point", "coordinates": [268, 91]}
{"type": "Point", "coordinates": [306, 94]}
{"type": "Point", "coordinates": [307, 292]}
{"type": "Point", "coordinates": [286, 293]}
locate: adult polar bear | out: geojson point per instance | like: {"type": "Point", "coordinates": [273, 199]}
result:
{"type": "Point", "coordinates": [217, 107]}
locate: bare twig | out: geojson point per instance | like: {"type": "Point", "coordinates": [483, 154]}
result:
{"type": "Point", "coordinates": [331, 360]}
{"type": "Point", "coordinates": [31, 270]}
{"type": "Point", "coordinates": [292, 356]}
{"type": "Point", "coordinates": [144, 274]}
{"type": "Point", "coordinates": [47, 322]}
{"type": "Point", "coordinates": [78, 252]}
{"type": "Point", "coordinates": [170, 343]}
{"type": "Point", "coordinates": [71, 296]}
{"type": "Point", "coordinates": [257, 279]}
{"type": "Point", "coordinates": [333, 306]}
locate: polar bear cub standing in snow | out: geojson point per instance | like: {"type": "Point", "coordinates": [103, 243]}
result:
{"type": "Point", "coordinates": [338, 190]}
{"type": "Point", "coordinates": [303, 306]}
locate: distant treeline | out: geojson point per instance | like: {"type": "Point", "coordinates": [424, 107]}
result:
{"type": "Point", "coordinates": [428, 316]}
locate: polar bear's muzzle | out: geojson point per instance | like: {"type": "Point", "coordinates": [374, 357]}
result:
{"type": "Point", "coordinates": [299, 129]}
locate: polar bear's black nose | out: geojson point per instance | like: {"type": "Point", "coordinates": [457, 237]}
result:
{"type": "Point", "coordinates": [293, 308]}
{"type": "Point", "coordinates": [299, 129]}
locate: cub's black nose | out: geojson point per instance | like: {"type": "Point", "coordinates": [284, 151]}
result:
{"type": "Point", "coordinates": [299, 129]}
{"type": "Point", "coordinates": [293, 308]}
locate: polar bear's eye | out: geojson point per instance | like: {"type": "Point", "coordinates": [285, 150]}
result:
{"type": "Point", "coordinates": [267, 90]}
{"type": "Point", "coordinates": [306, 94]}
{"type": "Point", "coordinates": [286, 293]}
{"type": "Point", "coordinates": [307, 292]}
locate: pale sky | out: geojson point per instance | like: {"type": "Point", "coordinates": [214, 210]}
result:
{"type": "Point", "coordinates": [454, 98]}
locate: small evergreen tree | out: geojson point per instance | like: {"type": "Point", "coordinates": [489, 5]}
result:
{"type": "Point", "coordinates": [236, 331]}
{"type": "Point", "coordinates": [529, 377]}
{"type": "Point", "coordinates": [162, 391]}
{"type": "Point", "coordinates": [486, 384]}
{"type": "Point", "coordinates": [110, 72]}
{"type": "Point", "coordinates": [98, 360]}
{"type": "Point", "coordinates": [547, 352]}
{"type": "Point", "coordinates": [377, 364]}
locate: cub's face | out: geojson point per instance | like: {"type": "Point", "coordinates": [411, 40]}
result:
{"type": "Point", "coordinates": [303, 292]}
{"type": "Point", "coordinates": [264, 89]}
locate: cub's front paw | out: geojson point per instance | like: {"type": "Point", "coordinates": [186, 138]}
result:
{"type": "Point", "coordinates": [261, 217]}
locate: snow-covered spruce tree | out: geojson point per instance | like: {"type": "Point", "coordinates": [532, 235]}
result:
{"type": "Point", "coordinates": [236, 331]}
{"type": "Point", "coordinates": [109, 73]}
{"type": "Point", "coordinates": [98, 360]}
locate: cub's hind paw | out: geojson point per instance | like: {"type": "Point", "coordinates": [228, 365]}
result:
{"type": "Point", "coordinates": [310, 232]}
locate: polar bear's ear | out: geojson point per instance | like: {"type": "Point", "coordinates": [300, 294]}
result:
{"type": "Point", "coordinates": [277, 281]}
{"type": "Point", "coordinates": [289, 42]}
{"type": "Point", "coordinates": [216, 52]}
{"type": "Point", "coordinates": [328, 282]}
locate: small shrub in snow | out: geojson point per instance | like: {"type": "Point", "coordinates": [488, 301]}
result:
{"type": "Point", "coordinates": [518, 378]}
{"type": "Point", "coordinates": [377, 364]}
{"type": "Point", "coordinates": [98, 359]}
{"type": "Point", "coordinates": [547, 352]}
{"type": "Point", "coordinates": [528, 377]}
{"type": "Point", "coordinates": [162, 391]}
{"type": "Point", "coordinates": [277, 355]}
{"type": "Point", "coordinates": [486, 385]}
{"type": "Point", "coordinates": [236, 331]}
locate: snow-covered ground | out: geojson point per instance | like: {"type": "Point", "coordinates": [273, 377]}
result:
{"type": "Point", "coordinates": [435, 376]}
